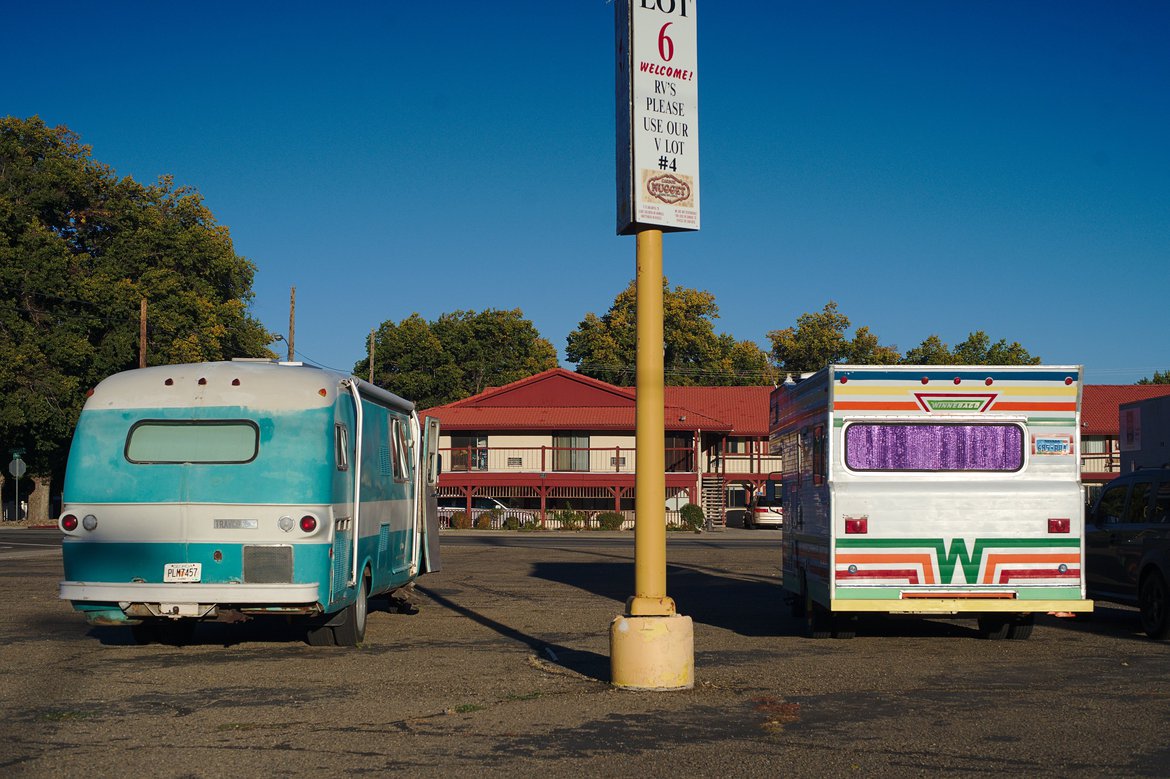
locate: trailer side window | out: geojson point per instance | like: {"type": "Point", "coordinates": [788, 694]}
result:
{"type": "Point", "coordinates": [341, 446]}
{"type": "Point", "coordinates": [818, 455]}
{"type": "Point", "coordinates": [398, 442]}
{"type": "Point", "coordinates": [891, 446]}
{"type": "Point", "coordinates": [163, 441]}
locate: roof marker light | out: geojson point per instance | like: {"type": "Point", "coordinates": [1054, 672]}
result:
{"type": "Point", "coordinates": [323, 392]}
{"type": "Point", "coordinates": [235, 382]}
{"type": "Point", "coordinates": [169, 382]}
{"type": "Point", "coordinates": [926, 380]}
{"type": "Point", "coordinates": [844, 379]}
{"type": "Point", "coordinates": [202, 381]}
{"type": "Point", "coordinates": [1068, 380]}
{"type": "Point", "coordinates": [988, 381]}
{"type": "Point", "coordinates": [958, 380]}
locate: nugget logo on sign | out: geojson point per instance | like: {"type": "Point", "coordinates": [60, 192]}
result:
{"type": "Point", "coordinates": [669, 189]}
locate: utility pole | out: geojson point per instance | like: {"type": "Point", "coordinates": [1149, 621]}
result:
{"type": "Point", "coordinates": [142, 334]}
{"type": "Point", "coordinates": [292, 322]}
{"type": "Point", "coordinates": [371, 357]}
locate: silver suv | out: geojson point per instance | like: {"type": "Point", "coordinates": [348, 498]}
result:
{"type": "Point", "coordinates": [1127, 546]}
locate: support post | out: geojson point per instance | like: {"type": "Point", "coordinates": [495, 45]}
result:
{"type": "Point", "coordinates": [651, 646]}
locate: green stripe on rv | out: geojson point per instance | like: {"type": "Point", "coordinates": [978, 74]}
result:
{"type": "Point", "coordinates": [895, 593]}
{"type": "Point", "coordinates": [958, 553]}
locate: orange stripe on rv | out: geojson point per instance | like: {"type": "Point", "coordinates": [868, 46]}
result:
{"type": "Point", "coordinates": [994, 560]}
{"type": "Point", "coordinates": [862, 405]}
{"type": "Point", "coordinates": [924, 560]}
{"type": "Point", "coordinates": [1035, 406]}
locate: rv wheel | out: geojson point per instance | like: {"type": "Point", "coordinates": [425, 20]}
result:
{"type": "Point", "coordinates": [1154, 602]}
{"type": "Point", "coordinates": [994, 628]}
{"type": "Point", "coordinates": [1021, 629]}
{"type": "Point", "coordinates": [820, 622]}
{"type": "Point", "coordinates": [319, 636]}
{"type": "Point", "coordinates": [353, 629]}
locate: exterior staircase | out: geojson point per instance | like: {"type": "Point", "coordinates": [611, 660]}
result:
{"type": "Point", "coordinates": [714, 500]}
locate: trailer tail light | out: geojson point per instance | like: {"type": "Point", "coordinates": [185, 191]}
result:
{"type": "Point", "coordinates": [1059, 526]}
{"type": "Point", "coordinates": [68, 523]}
{"type": "Point", "coordinates": [308, 523]}
{"type": "Point", "coordinates": [856, 525]}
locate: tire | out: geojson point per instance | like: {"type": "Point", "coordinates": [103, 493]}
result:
{"type": "Point", "coordinates": [320, 636]}
{"type": "Point", "coordinates": [1021, 629]}
{"type": "Point", "coordinates": [176, 632]}
{"type": "Point", "coordinates": [352, 631]}
{"type": "Point", "coordinates": [994, 628]}
{"type": "Point", "coordinates": [820, 622]}
{"type": "Point", "coordinates": [844, 625]}
{"type": "Point", "coordinates": [143, 633]}
{"type": "Point", "coordinates": [1154, 604]}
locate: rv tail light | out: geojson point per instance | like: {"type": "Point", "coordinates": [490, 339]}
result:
{"type": "Point", "coordinates": [308, 523]}
{"type": "Point", "coordinates": [68, 523]}
{"type": "Point", "coordinates": [89, 522]}
{"type": "Point", "coordinates": [1058, 526]}
{"type": "Point", "coordinates": [856, 525]}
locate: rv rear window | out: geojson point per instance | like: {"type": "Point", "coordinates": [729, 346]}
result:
{"type": "Point", "coordinates": [192, 441]}
{"type": "Point", "coordinates": [889, 446]}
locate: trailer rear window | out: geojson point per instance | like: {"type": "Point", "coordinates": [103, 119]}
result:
{"type": "Point", "coordinates": [933, 447]}
{"type": "Point", "coordinates": [192, 441]}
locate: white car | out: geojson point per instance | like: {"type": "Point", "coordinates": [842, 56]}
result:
{"type": "Point", "coordinates": [764, 513]}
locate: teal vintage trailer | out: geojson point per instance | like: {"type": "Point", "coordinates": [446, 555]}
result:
{"type": "Point", "coordinates": [226, 490]}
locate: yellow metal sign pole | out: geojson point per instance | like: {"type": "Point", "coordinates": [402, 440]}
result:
{"type": "Point", "coordinates": [650, 646]}
{"type": "Point", "coordinates": [649, 597]}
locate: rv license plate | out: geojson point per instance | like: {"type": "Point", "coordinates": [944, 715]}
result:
{"type": "Point", "coordinates": [182, 572]}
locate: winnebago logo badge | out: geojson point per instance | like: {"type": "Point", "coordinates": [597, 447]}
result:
{"type": "Point", "coordinates": [670, 189]}
{"type": "Point", "coordinates": [956, 401]}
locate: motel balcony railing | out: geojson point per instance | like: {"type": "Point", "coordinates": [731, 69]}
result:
{"type": "Point", "coordinates": [613, 459]}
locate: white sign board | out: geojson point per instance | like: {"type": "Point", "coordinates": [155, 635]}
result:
{"type": "Point", "coordinates": [657, 115]}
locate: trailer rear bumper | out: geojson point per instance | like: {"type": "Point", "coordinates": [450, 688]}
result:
{"type": "Point", "coordinates": [961, 605]}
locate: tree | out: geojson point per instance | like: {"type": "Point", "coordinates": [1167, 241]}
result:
{"type": "Point", "coordinates": [1160, 377]}
{"type": "Point", "coordinates": [79, 250]}
{"type": "Point", "coordinates": [456, 356]}
{"type": "Point", "coordinates": [605, 347]}
{"type": "Point", "coordinates": [820, 339]}
{"type": "Point", "coordinates": [976, 350]}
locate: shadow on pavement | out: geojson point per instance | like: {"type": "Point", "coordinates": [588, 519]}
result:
{"type": "Point", "coordinates": [589, 664]}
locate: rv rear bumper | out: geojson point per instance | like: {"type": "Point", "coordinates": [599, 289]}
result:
{"type": "Point", "coordinates": [126, 593]}
{"type": "Point", "coordinates": [975, 605]}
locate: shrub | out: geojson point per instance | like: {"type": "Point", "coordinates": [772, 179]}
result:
{"type": "Point", "coordinates": [610, 520]}
{"type": "Point", "coordinates": [484, 520]}
{"type": "Point", "coordinates": [511, 523]}
{"type": "Point", "coordinates": [692, 517]}
{"type": "Point", "coordinates": [569, 519]}
{"type": "Point", "coordinates": [460, 520]}
{"type": "Point", "coordinates": [529, 525]}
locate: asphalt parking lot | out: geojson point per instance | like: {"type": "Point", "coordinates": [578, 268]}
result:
{"type": "Point", "coordinates": [504, 671]}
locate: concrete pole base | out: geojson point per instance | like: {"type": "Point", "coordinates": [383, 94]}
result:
{"type": "Point", "coordinates": [652, 653]}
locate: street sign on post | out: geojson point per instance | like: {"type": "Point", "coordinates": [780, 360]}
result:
{"type": "Point", "coordinates": [657, 116]}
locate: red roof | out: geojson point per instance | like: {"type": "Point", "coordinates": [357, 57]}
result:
{"type": "Point", "coordinates": [558, 399]}
{"type": "Point", "coordinates": [1100, 402]}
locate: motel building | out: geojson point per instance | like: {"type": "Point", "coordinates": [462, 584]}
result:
{"type": "Point", "coordinates": [558, 447]}
{"type": "Point", "coordinates": [560, 441]}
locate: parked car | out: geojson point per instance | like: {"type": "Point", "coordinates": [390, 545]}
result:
{"type": "Point", "coordinates": [450, 506]}
{"type": "Point", "coordinates": [764, 512]}
{"type": "Point", "coordinates": [1127, 546]}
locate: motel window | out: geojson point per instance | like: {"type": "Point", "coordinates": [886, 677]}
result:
{"type": "Point", "coordinates": [167, 441]}
{"type": "Point", "coordinates": [889, 446]}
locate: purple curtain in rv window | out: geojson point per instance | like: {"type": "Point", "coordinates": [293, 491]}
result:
{"type": "Point", "coordinates": [933, 447]}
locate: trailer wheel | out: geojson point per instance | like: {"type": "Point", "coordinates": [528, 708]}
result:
{"type": "Point", "coordinates": [353, 630]}
{"type": "Point", "coordinates": [1154, 603]}
{"type": "Point", "coordinates": [1021, 629]}
{"type": "Point", "coordinates": [844, 625]}
{"type": "Point", "coordinates": [319, 636]}
{"type": "Point", "coordinates": [820, 622]}
{"type": "Point", "coordinates": [994, 628]}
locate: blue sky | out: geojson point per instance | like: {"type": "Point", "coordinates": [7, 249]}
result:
{"type": "Point", "coordinates": [935, 167]}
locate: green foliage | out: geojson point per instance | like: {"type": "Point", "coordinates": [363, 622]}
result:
{"type": "Point", "coordinates": [976, 350]}
{"type": "Point", "coordinates": [1160, 377]}
{"type": "Point", "coordinates": [568, 519]}
{"type": "Point", "coordinates": [456, 356]}
{"type": "Point", "coordinates": [610, 520]}
{"type": "Point", "coordinates": [692, 517]}
{"type": "Point", "coordinates": [822, 339]}
{"type": "Point", "coordinates": [605, 347]}
{"type": "Point", "coordinates": [79, 249]}
{"type": "Point", "coordinates": [511, 523]}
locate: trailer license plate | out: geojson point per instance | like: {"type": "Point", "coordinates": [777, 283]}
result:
{"type": "Point", "coordinates": [182, 572]}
